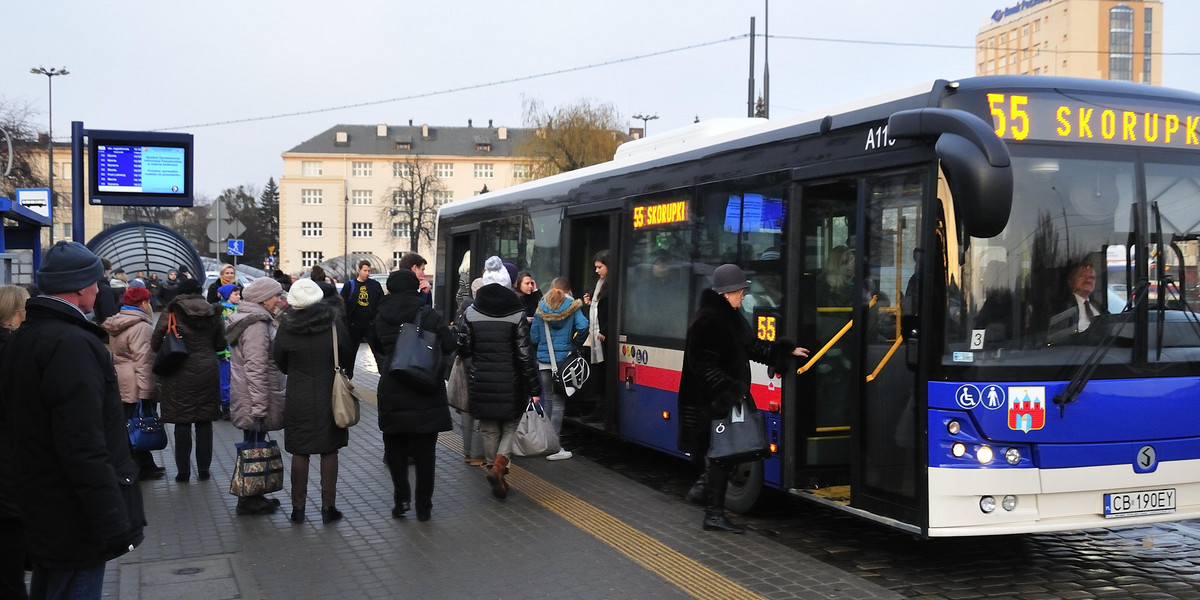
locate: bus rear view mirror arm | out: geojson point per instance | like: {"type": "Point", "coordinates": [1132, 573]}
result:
{"type": "Point", "coordinates": [976, 162]}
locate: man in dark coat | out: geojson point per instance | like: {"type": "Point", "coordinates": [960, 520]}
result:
{"type": "Point", "coordinates": [79, 499]}
{"type": "Point", "coordinates": [361, 296]}
{"type": "Point", "coordinates": [504, 371]}
{"type": "Point", "coordinates": [716, 377]}
{"type": "Point", "coordinates": [409, 418]}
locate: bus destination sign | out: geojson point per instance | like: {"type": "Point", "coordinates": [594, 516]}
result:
{"type": "Point", "coordinates": [1093, 119]}
{"type": "Point", "coordinates": [660, 214]}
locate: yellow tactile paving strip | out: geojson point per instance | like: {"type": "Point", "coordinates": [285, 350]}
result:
{"type": "Point", "coordinates": [688, 575]}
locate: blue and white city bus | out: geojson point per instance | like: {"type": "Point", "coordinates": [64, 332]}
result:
{"type": "Point", "coordinates": [925, 247]}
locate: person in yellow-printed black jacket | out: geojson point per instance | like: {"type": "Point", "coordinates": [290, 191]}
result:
{"type": "Point", "coordinates": [361, 296]}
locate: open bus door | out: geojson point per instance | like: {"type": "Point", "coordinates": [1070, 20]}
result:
{"type": "Point", "coordinates": [856, 395]}
{"type": "Point", "coordinates": [462, 263]}
{"type": "Point", "coordinates": [588, 234]}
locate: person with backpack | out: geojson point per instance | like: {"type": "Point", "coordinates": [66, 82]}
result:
{"type": "Point", "coordinates": [361, 296]}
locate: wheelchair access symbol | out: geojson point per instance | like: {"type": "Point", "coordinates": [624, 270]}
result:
{"type": "Point", "coordinates": [967, 396]}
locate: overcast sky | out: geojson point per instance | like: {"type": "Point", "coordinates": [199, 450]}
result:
{"type": "Point", "coordinates": [183, 66]}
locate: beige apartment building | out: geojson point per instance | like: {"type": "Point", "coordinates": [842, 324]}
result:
{"type": "Point", "coordinates": [344, 191]}
{"type": "Point", "coordinates": [1119, 40]}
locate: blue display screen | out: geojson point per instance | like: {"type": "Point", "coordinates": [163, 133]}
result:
{"type": "Point", "coordinates": [140, 169]}
{"type": "Point", "coordinates": [754, 213]}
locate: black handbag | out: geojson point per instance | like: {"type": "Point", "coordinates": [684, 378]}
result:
{"type": "Point", "coordinates": [145, 430]}
{"type": "Point", "coordinates": [173, 350]}
{"type": "Point", "coordinates": [417, 356]}
{"type": "Point", "coordinates": [569, 376]}
{"type": "Point", "coordinates": [739, 436]}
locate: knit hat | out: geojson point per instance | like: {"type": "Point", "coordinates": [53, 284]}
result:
{"type": "Point", "coordinates": [188, 286]}
{"type": "Point", "coordinates": [403, 280]}
{"type": "Point", "coordinates": [729, 278]}
{"type": "Point", "coordinates": [327, 289]}
{"type": "Point", "coordinates": [69, 267]}
{"type": "Point", "coordinates": [304, 293]}
{"type": "Point", "coordinates": [494, 272]}
{"type": "Point", "coordinates": [475, 285]}
{"type": "Point", "coordinates": [135, 296]}
{"type": "Point", "coordinates": [262, 289]}
{"type": "Point", "coordinates": [227, 290]}
{"type": "Point", "coordinates": [512, 272]}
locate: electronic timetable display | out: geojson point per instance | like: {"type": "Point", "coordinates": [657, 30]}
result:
{"type": "Point", "coordinates": [131, 168]}
{"type": "Point", "coordinates": [142, 169]}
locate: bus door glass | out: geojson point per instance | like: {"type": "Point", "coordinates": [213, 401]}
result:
{"type": "Point", "coordinates": [884, 477]}
{"type": "Point", "coordinates": [656, 274]}
{"type": "Point", "coordinates": [828, 380]}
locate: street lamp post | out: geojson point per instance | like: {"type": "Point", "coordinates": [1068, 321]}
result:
{"type": "Point", "coordinates": [644, 119]}
{"type": "Point", "coordinates": [50, 74]}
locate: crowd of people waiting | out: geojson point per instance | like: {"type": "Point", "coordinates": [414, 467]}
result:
{"type": "Point", "coordinates": [259, 357]}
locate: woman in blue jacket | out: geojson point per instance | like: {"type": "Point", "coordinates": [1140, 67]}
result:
{"type": "Point", "coordinates": [562, 315]}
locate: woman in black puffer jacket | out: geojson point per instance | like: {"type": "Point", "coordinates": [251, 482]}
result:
{"type": "Point", "coordinates": [409, 418]}
{"type": "Point", "coordinates": [504, 372]}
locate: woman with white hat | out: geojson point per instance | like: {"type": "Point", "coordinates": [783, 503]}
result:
{"type": "Point", "coordinates": [304, 351]}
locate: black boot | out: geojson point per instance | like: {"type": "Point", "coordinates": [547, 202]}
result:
{"type": "Point", "coordinates": [715, 520]}
{"type": "Point", "coordinates": [697, 495]}
{"type": "Point", "coordinates": [714, 513]}
{"type": "Point", "coordinates": [597, 415]}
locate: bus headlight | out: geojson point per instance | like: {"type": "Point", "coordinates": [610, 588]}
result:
{"type": "Point", "coordinates": [984, 454]}
{"type": "Point", "coordinates": [987, 504]}
{"type": "Point", "coordinates": [1009, 502]}
{"type": "Point", "coordinates": [958, 449]}
{"type": "Point", "coordinates": [1012, 456]}
{"type": "Point", "coordinates": [953, 427]}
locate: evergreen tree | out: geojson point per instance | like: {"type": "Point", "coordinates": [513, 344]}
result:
{"type": "Point", "coordinates": [268, 214]}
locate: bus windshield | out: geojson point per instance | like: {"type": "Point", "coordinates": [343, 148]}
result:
{"type": "Point", "coordinates": [1063, 276]}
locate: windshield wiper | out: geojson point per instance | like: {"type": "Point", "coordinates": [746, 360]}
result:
{"type": "Point", "coordinates": [1084, 374]}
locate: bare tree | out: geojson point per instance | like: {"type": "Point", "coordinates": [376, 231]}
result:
{"type": "Point", "coordinates": [16, 119]}
{"type": "Point", "coordinates": [571, 137]}
{"type": "Point", "coordinates": [415, 199]}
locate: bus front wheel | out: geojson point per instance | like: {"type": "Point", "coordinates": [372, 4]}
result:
{"type": "Point", "coordinates": [745, 486]}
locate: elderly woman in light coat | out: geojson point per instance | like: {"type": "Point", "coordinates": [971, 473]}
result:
{"type": "Point", "coordinates": [255, 384]}
{"type": "Point", "coordinates": [129, 334]}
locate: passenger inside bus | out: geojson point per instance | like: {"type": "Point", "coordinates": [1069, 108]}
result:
{"type": "Point", "coordinates": [660, 306]}
{"type": "Point", "coordinates": [834, 285]}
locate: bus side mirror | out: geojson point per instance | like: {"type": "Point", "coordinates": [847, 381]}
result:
{"type": "Point", "coordinates": [976, 162]}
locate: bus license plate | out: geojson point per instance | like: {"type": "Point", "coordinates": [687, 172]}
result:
{"type": "Point", "coordinates": [1133, 504]}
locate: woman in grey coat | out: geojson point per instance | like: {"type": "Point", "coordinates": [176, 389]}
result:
{"type": "Point", "coordinates": [255, 382]}
{"type": "Point", "coordinates": [304, 351]}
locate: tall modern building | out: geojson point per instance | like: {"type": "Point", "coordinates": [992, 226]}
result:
{"type": "Point", "coordinates": [351, 191]}
{"type": "Point", "coordinates": [1119, 40]}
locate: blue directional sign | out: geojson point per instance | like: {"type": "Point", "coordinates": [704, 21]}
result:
{"type": "Point", "coordinates": [236, 248]}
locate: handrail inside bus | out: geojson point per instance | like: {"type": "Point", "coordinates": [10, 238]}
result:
{"type": "Point", "coordinates": [812, 361]}
{"type": "Point", "coordinates": [891, 351]}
